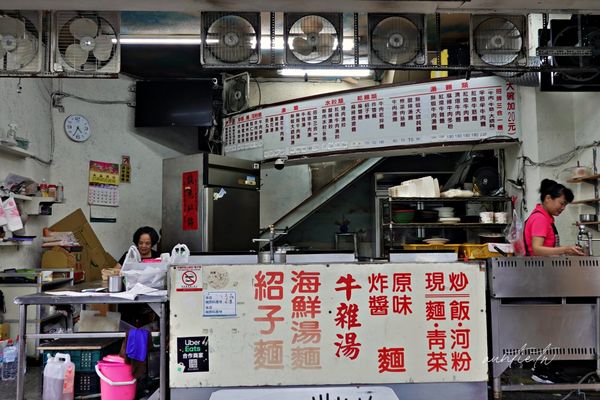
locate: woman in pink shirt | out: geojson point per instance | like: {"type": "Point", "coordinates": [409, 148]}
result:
{"type": "Point", "coordinates": [541, 236]}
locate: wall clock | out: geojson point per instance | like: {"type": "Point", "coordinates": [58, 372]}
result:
{"type": "Point", "coordinates": [77, 128]}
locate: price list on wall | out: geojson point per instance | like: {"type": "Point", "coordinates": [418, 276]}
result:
{"type": "Point", "coordinates": [387, 117]}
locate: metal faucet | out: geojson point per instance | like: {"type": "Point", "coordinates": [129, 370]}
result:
{"type": "Point", "coordinates": [585, 240]}
{"type": "Point", "coordinates": [271, 239]}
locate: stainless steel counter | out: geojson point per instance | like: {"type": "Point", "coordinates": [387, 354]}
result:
{"type": "Point", "coordinates": [544, 308]}
{"type": "Point", "coordinates": [157, 303]}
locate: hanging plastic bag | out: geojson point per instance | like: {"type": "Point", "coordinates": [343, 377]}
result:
{"type": "Point", "coordinates": [180, 254]}
{"type": "Point", "coordinates": [514, 234]}
{"type": "Point", "coordinates": [148, 274]}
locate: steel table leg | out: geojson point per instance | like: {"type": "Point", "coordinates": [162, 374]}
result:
{"type": "Point", "coordinates": [163, 352]}
{"type": "Point", "coordinates": [497, 388]}
{"type": "Point", "coordinates": [22, 355]}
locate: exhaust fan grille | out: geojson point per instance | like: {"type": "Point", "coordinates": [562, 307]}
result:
{"type": "Point", "coordinates": [313, 38]}
{"type": "Point", "coordinates": [567, 33]}
{"type": "Point", "coordinates": [498, 40]}
{"type": "Point", "coordinates": [86, 42]}
{"type": "Point", "coordinates": [20, 41]}
{"type": "Point", "coordinates": [236, 90]}
{"type": "Point", "coordinates": [230, 39]}
{"type": "Point", "coordinates": [397, 39]}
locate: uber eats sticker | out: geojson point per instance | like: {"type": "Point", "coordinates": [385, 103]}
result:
{"type": "Point", "coordinates": [192, 354]}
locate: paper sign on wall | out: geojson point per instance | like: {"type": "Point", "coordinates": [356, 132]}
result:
{"type": "Point", "coordinates": [219, 304]}
{"type": "Point", "coordinates": [189, 196]}
{"type": "Point", "coordinates": [189, 278]}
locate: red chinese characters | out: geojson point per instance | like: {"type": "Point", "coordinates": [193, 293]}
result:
{"type": "Point", "coordinates": [268, 286]}
{"type": "Point", "coordinates": [268, 290]}
{"type": "Point", "coordinates": [347, 319]}
{"type": "Point", "coordinates": [306, 309]}
{"type": "Point", "coordinates": [446, 303]}
{"type": "Point", "coordinates": [511, 115]}
{"type": "Point", "coordinates": [391, 359]}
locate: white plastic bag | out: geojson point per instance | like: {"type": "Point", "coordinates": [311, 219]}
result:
{"type": "Point", "coordinates": [151, 274]}
{"type": "Point", "coordinates": [180, 254]}
{"type": "Point", "coordinates": [12, 215]}
{"type": "Point", "coordinates": [59, 375]}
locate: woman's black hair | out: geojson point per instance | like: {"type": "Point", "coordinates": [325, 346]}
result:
{"type": "Point", "coordinates": [555, 189]}
{"type": "Point", "coordinates": [154, 238]}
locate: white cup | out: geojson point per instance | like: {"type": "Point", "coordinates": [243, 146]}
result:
{"type": "Point", "coordinates": [486, 217]}
{"type": "Point", "coordinates": [501, 217]}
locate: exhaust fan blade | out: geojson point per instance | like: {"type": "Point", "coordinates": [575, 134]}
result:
{"type": "Point", "coordinates": [75, 56]}
{"type": "Point", "coordinates": [103, 49]}
{"type": "Point", "coordinates": [24, 53]}
{"type": "Point", "coordinates": [302, 46]}
{"type": "Point", "coordinates": [83, 27]}
{"type": "Point", "coordinates": [311, 24]}
{"type": "Point", "coordinates": [325, 44]}
{"type": "Point", "coordinates": [12, 26]}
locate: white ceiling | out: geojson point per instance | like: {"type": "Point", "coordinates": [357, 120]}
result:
{"type": "Point", "coordinates": [582, 6]}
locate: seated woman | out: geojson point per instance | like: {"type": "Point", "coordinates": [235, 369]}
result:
{"type": "Point", "coordinates": [144, 238]}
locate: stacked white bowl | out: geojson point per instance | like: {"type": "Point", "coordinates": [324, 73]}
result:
{"type": "Point", "coordinates": [446, 215]}
{"type": "Point", "coordinates": [445, 212]}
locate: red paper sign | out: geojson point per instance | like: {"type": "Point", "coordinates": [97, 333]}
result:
{"type": "Point", "coordinates": [189, 195]}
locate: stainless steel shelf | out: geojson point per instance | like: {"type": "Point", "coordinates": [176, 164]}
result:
{"type": "Point", "coordinates": [441, 225]}
{"type": "Point", "coordinates": [475, 199]}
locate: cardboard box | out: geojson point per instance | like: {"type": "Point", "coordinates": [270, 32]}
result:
{"type": "Point", "coordinates": [93, 256]}
{"type": "Point", "coordinates": [4, 331]}
{"type": "Point", "coordinates": [59, 257]}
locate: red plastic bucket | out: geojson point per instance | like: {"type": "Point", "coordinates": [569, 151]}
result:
{"type": "Point", "coordinates": [116, 380]}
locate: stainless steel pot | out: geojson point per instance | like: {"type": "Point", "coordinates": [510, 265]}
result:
{"type": "Point", "coordinates": [264, 257]}
{"type": "Point", "coordinates": [588, 218]}
{"type": "Point", "coordinates": [115, 284]}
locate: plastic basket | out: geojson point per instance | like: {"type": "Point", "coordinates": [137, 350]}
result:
{"type": "Point", "coordinates": [86, 383]}
{"type": "Point", "coordinates": [84, 360]}
{"type": "Point", "coordinates": [425, 247]}
{"type": "Point", "coordinates": [479, 251]}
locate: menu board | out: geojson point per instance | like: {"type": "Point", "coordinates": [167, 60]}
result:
{"type": "Point", "coordinates": [377, 118]}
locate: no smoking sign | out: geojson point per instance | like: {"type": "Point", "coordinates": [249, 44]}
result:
{"type": "Point", "coordinates": [188, 278]}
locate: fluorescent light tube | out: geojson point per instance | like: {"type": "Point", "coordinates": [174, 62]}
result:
{"type": "Point", "coordinates": [335, 72]}
{"type": "Point", "coordinates": [159, 40]}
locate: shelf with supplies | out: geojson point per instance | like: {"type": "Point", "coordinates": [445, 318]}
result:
{"type": "Point", "coordinates": [474, 199]}
{"type": "Point", "coordinates": [588, 178]}
{"type": "Point", "coordinates": [34, 205]}
{"type": "Point", "coordinates": [9, 242]}
{"type": "Point", "coordinates": [587, 201]}
{"type": "Point", "coordinates": [15, 151]}
{"type": "Point", "coordinates": [465, 227]}
{"type": "Point", "coordinates": [460, 225]}
{"type": "Point", "coordinates": [593, 179]}
{"type": "Point", "coordinates": [20, 282]}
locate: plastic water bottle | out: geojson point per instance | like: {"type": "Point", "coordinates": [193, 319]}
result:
{"type": "Point", "coordinates": [9, 366]}
{"type": "Point", "coordinates": [44, 188]}
{"type": "Point", "coordinates": [69, 383]}
{"type": "Point", "coordinates": [54, 379]}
